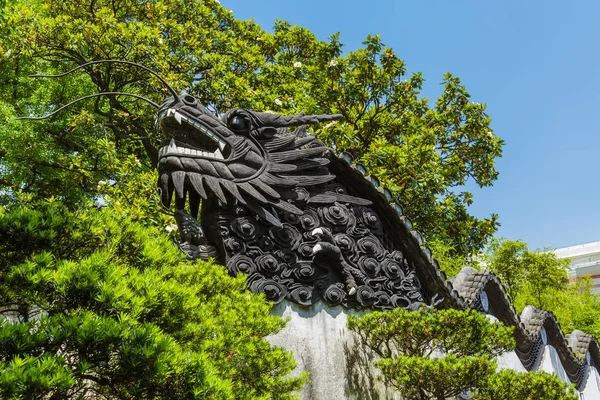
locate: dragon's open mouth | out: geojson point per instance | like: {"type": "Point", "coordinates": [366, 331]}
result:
{"type": "Point", "coordinates": [189, 137]}
{"type": "Point", "coordinates": [191, 162]}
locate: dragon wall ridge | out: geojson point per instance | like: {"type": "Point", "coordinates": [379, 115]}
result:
{"type": "Point", "coordinates": [534, 328]}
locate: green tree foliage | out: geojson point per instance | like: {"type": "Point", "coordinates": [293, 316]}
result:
{"type": "Point", "coordinates": [437, 354]}
{"type": "Point", "coordinates": [532, 277]}
{"type": "Point", "coordinates": [449, 261]}
{"type": "Point", "coordinates": [95, 305]}
{"type": "Point", "coordinates": [540, 279]}
{"type": "Point", "coordinates": [505, 258]}
{"type": "Point", "coordinates": [537, 385]}
{"type": "Point", "coordinates": [545, 274]}
{"type": "Point", "coordinates": [578, 307]}
{"type": "Point", "coordinates": [409, 344]}
{"type": "Point", "coordinates": [420, 151]}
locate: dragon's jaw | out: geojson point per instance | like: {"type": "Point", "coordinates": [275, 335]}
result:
{"type": "Point", "coordinates": [173, 149]}
{"type": "Point", "coordinates": [189, 137]}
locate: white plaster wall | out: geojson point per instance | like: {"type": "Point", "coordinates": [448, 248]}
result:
{"type": "Point", "coordinates": [551, 363]}
{"type": "Point", "coordinates": [592, 387]}
{"type": "Point", "coordinates": [510, 360]}
{"type": "Point", "coordinates": [323, 346]}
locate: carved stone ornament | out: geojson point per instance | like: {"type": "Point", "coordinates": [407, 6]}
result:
{"type": "Point", "coordinates": [273, 209]}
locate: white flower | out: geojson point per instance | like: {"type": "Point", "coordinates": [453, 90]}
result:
{"type": "Point", "coordinates": [8, 53]}
{"type": "Point", "coordinates": [171, 228]}
{"type": "Point", "coordinates": [329, 125]}
{"type": "Point", "coordinates": [333, 63]}
{"type": "Point", "coordinates": [102, 184]}
{"type": "Point", "coordinates": [490, 134]}
{"type": "Point", "coordinates": [297, 64]}
{"type": "Point", "coordinates": [278, 102]}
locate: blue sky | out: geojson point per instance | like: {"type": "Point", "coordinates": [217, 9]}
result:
{"type": "Point", "coordinates": [536, 66]}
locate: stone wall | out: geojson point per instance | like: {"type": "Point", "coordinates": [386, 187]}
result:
{"type": "Point", "coordinates": [341, 369]}
{"type": "Point", "coordinates": [323, 346]}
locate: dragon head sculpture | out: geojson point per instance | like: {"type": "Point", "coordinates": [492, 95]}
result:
{"type": "Point", "coordinates": [246, 157]}
{"type": "Point", "coordinates": [272, 208]}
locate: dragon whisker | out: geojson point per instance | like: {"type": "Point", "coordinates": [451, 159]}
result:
{"type": "Point", "coordinates": [89, 97]}
{"type": "Point", "coordinates": [163, 81]}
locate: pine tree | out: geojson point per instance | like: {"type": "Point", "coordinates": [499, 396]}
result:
{"type": "Point", "coordinates": [96, 305]}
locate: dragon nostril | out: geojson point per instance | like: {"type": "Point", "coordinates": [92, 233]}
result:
{"type": "Point", "coordinates": [189, 99]}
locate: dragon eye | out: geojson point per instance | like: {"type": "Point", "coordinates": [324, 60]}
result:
{"type": "Point", "coordinates": [238, 123]}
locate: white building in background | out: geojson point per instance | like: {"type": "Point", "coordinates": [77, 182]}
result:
{"type": "Point", "coordinates": [585, 261]}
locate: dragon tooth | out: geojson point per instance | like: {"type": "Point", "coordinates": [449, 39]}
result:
{"type": "Point", "coordinates": [171, 112]}
{"type": "Point", "coordinates": [247, 188]}
{"type": "Point", "coordinates": [194, 202]}
{"type": "Point", "coordinates": [217, 154]}
{"type": "Point", "coordinates": [172, 147]}
{"type": "Point", "coordinates": [179, 183]}
{"type": "Point", "coordinates": [221, 145]}
{"type": "Point", "coordinates": [180, 150]}
{"type": "Point", "coordinates": [187, 151]}
{"type": "Point", "coordinates": [166, 189]}
{"type": "Point", "coordinates": [196, 181]}
{"type": "Point", "coordinates": [178, 117]}
{"type": "Point", "coordinates": [215, 187]}
{"type": "Point", "coordinates": [232, 188]}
